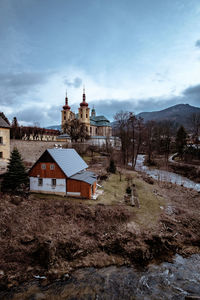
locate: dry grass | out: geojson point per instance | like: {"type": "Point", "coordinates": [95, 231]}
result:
{"type": "Point", "coordinates": [114, 190]}
{"type": "Point", "coordinates": [150, 204]}
{"type": "Point", "coordinates": [146, 216]}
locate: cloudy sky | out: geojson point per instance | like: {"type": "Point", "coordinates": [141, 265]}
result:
{"type": "Point", "coordinates": [135, 55]}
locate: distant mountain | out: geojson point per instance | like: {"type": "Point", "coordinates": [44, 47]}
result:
{"type": "Point", "coordinates": [55, 127]}
{"type": "Point", "coordinates": [179, 113]}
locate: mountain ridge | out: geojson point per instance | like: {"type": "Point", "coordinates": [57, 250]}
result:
{"type": "Point", "coordinates": [179, 113]}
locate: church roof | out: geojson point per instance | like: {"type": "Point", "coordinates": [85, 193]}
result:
{"type": "Point", "coordinates": [99, 121]}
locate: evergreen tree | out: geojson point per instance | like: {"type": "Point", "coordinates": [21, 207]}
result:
{"type": "Point", "coordinates": [181, 140]}
{"type": "Point", "coordinates": [16, 175]}
{"type": "Point", "coordinates": [112, 167]}
{"type": "Point", "coordinates": [15, 129]}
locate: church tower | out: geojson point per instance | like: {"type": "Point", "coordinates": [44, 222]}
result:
{"type": "Point", "coordinates": [93, 112]}
{"type": "Point", "coordinates": [84, 112]}
{"type": "Point", "coordinates": [66, 113]}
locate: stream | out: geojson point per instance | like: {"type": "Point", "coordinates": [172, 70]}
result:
{"type": "Point", "coordinates": [177, 280]}
{"type": "Point", "coordinates": [165, 175]}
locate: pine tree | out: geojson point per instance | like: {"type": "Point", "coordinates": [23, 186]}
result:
{"type": "Point", "coordinates": [112, 167]}
{"type": "Point", "coordinates": [181, 140]}
{"type": "Point", "coordinates": [16, 175]}
{"type": "Point", "coordinates": [15, 129]}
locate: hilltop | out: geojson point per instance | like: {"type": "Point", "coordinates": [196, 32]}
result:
{"type": "Point", "coordinates": [179, 113]}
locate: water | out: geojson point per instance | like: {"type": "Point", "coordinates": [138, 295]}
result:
{"type": "Point", "coordinates": [171, 281]}
{"type": "Point", "coordinates": [165, 175]}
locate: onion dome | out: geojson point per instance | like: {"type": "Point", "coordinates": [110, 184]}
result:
{"type": "Point", "coordinates": [84, 103]}
{"type": "Point", "coordinates": [66, 106]}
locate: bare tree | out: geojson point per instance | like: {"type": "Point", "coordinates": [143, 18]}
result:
{"type": "Point", "coordinates": [139, 133]}
{"type": "Point", "coordinates": [76, 130]}
{"type": "Point", "coordinates": [195, 124]}
{"type": "Point", "coordinates": [150, 126]}
{"type": "Point", "coordinates": [122, 130]}
{"type": "Point", "coordinates": [129, 129]}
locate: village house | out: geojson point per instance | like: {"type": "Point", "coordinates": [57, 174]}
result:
{"type": "Point", "coordinates": [62, 172]}
{"type": "Point", "coordinates": [4, 140]}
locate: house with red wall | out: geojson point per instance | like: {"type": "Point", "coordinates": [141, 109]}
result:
{"type": "Point", "coordinates": [62, 172]}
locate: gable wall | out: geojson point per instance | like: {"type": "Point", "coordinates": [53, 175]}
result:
{"type": "Point", "coordinates": [47, 173]}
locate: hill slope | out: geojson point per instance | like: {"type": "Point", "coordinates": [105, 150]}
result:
{"type": "Point", "coordinates": [179, 113]}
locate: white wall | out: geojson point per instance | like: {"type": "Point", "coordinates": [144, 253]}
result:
{"type": "Point", "coordinates": [47, 187]}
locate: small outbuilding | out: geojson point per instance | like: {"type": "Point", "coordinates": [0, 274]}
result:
{"type": "Point", "coordinates": [62, 172]}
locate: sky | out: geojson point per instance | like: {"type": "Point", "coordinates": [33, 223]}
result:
{"type": "Point", "coordinates": [131, 55]}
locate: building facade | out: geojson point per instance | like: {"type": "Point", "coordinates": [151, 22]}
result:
{"type": "Point", "coordinates": [95, 125]}
{"type": "Point", "coordinates": [4, 140]}
{"type": "Point", "coordinates": [62, 172]}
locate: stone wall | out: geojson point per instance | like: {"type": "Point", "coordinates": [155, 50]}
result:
{"type": "Point", "coordinates": [31, 150]}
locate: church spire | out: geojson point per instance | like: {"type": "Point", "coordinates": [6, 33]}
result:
{"type": "Point", "coordinates": [84, 103]}
{"type": "Point", "coordinates": [66, 106]}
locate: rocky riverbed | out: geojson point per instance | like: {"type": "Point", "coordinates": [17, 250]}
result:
{"type": "Point", "coordinates": [177, 280]}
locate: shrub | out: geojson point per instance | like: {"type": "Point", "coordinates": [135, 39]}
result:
{"type": "Point", "coordinates": [112, 167]}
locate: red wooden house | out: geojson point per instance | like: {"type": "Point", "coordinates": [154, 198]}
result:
{"type": "Point", "coordinates": [62, 172]}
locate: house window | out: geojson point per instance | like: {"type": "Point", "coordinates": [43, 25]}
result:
{"type": "Point", "coordinates": [1, 140]}
{"type": "Point", "coordinates": [96, 130]}
{"type": "Point", "coordinates": [90, 129]}
{"type": "Point", "coordinates": [1, 154]}
{"type": "Point", "coordinates": [43, 167]}
{"type": "Point", "coordinates": [52, 167]}
{"type": "Point", "coordinates": [53, 182]}
{"type": "Point", "coordinates": [40, 181]}
{"type": "Point", "coordinates": [81, 115]}
{"type": "Point", "coordinates": [64, 118]}
{"type": "Point", "coordinates": [86, 116]}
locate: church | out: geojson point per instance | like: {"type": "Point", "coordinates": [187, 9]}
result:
{"type": "Point", "coordinates": [95, 125]}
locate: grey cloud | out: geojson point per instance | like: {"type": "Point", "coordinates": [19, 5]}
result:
{"type": "Point", "coordinates": [13, 85]}
{"type": "Point", "coordinates": [197, 44]}
{"type": "Point", "coordinates": [76, 82]}
{"type": "Point", "coordinates": [193, 91]}
{"type": "Point", "coordinates": [41, 117]}
{"type": "Point", "coordinates": [31, 115]}
{"type": "Point", "coordinates": [110, 107]}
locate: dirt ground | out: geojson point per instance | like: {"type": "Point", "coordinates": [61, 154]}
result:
{"type": "Point", "coordinates": [51, 236]}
